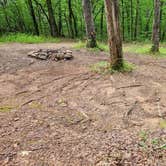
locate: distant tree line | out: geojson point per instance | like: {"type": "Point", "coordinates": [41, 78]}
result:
{"type": "Point", "coordinates": [65, 18]}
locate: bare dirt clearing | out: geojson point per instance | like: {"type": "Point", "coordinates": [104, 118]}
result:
{"type": "Point", "coordinates": [61, 113]}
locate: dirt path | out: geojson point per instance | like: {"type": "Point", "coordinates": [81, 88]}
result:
{"type": "Point", "coordinates": [61, 113]}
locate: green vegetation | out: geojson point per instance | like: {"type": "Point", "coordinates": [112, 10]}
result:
{"type": "Point", "coordinates": [163, 124]}
{"type": "Point", "coordinates": [137, 48]}
{"type": "Point", "coordinates": [26, 38]}
{"type": "Point", "coordinates": [6, 108]}
{"type": "Point", "coordinates": [104, 67]}
{"type": "Point", "coordinates": [16, 16]}
{"type": "Point", "coordinates": [100, 46]}
{"type": "Point", "coordinates": [141, 48]}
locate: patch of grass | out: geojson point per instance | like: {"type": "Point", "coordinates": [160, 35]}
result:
{"type": "Point", "coordinates": [79, 45]}
{"type": "Point", "coordinates": [103, 67]}
{"type": "Point", "coordinates": [100, 46]}
{"type": "Point", "coordinates": [26, 38]}
{"type": "Point", "coordinates": [143, 136]}
{"type": "Point", "coordinates": [138, 48]}
{"type": "Point", "coordinates": [36, 105]}
{"type": "Point", "coordinates": [143, 49]}
{"type": "Point", "coordinates": [6, 108]}
{"type": "Point", "coordinates": [163, 124]}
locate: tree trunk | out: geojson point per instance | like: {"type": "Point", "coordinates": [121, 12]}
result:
{"type": "Point", "coordinates": [136, 20]}
{"type": "Point", "coordinates": [33, 17]}
{"type": "Point", "coordinates": [156, 27]}
{"type": "Point", "coordinates": [52, 23]}
{"type": "Point", "coordinates": [60, 19]}
{"type": "Point", "coordinates": [131, 19]}
{"type": "Point", "coordinates": [102, 21]}
{"type": "Point", "coordinates": [123, 21]}
{"type": "Point", "coordinates": [72, 19]}
{"type": "Point", "coordinates": [114, 36]}
{"type": "Point", "coordinates": [89, 24]}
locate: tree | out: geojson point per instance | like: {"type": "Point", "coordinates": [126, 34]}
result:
{"type": "Point", "coordinates": [136, 20]}
{"type": "Point", "coordinates": [72, 20]}
{"type": "Point", "coordinates": [89, 24]}
{"type": "Point", "coordinates": [32, 12]}
{"type": "Point", "coordinates": [156, 27]}
{"type": "Point", "coordinates": [114, 35]}
{"type": "Point", "coordinates": [52, 23]}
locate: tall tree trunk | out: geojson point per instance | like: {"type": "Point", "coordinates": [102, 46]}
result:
{"type": "Point", "coordinates": [89, 24]}
{"type": "Point", "coordinates": [131, 19]}
{"type": "Point", "coordinates": [32, 12]}
{"type": "Point", "coordinates": [102, 21]}
{"type": "Point", "coordinates": [114, 36]}
{"type": "Point", "coordinates": [60, 19]}
{"type": "Point", "coordinates": [70, 19]}
{"type": "Point", "coordinates": [156, 27]}
{"type": "Point", "coordinates": [136, 20]}
{"type": "Point", "coordinates": [128, 19]}
{"type": "Point", "coordinates": [149, 16]}
{"type": "Point", "coordinates": [123, 21]}
{"type": "Point", "coordinates": [52, 23]}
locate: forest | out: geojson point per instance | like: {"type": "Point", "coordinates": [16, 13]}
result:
{"type": "Point", "coordinates": [64, 18]}
{"type": "Point", "coordinates": [83, 82]}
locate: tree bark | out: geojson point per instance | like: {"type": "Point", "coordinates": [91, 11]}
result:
{"type": "Point", "coordinates": [102, 21]}
{"type": "Point", "coordinates": [52, 23]}
{"type": "Point", "coordinates": [89, 24]}
{"type": "Point", "coordinates": [114, 35]}
{"type": "Point", "coordinates": [123, 21]}
{"type": "Point", "coordinates": [32, 12]}
{"type": "Point", "coordinates": [131, 19]}
{"type": "Point", "coordinates": [136, 20]}
{"type": "Point", "coordinates": [156, 27]}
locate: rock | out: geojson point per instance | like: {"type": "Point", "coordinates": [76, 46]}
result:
{"type": "Point", "coordinates": [51, 54]}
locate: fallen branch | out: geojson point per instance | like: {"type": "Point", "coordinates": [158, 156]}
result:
{"type": "Point", "coordinates": [28, 102]}
{"type": "Point", "coordinates": [129, 86]}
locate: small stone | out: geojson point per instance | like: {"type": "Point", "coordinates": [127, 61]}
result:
{"type": "Point", "coordinates": [25, 153]}
{"type": "Point", "coordinates": [16, 119]}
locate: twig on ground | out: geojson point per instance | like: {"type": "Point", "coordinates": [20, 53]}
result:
{"type": "Point", "coordinates": [131, 109]}
{"type": "Point", "coordinates": [161, 147]}
{"type": "Point", "coordinates": [129, 86]}
{"type": "Point", "coordinates": [128, 113]}
{"type": "Point", "coordinates": [28, 102]}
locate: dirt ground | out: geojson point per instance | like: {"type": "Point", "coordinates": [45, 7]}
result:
{"type": "Point", "coordinates": [62, 113]}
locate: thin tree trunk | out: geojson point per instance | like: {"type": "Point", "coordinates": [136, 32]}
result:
{"type": "Point", "coordinates": [60, 19]}
{"type": "Point", "coordinates": [32, 12]}
{"type": "Point", "coordinates": [136, 20]}
{"type": "Point", "coordinates": [52, 23]}
{"type": "Point", "coordinates": [102, 21]}
{"type": "Point", "coordinates": [149, 16]}
{"type": "Point", "coordinates": [114, 36]}
{"type": "Point", "coordinates": [131, 19]}
{"type": "Point", "coordinates": [70, 19]}
{"type": "Point", "coordinates": [123, 21]}
{"type": "Point", "coordinates": [89, 24]}
{"type": "Point", "coordinates": [128, 19]}
{"type": "Point", "coordinates": [156, 27]}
